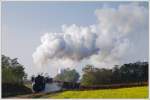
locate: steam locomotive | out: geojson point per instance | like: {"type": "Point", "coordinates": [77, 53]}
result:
{"type": "Point", "coordinates": [38, 83]}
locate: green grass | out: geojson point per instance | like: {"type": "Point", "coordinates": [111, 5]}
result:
{"type": "Point", "coordinates": [134, 92]}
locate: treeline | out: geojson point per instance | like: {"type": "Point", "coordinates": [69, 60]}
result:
{"type": "Point", "coordinates": [92, 76]}
{"type": "Point", "coordinates": [12, 71]}
{"type": "Point", "coordinates": [13, 75]}
{"type": "Point", "coordinates": [127, 73]}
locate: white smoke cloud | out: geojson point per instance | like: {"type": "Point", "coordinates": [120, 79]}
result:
{"type": "Point", "coordinates": [75, 43]}
{"type": "Point", "coordinates": [103, 44]}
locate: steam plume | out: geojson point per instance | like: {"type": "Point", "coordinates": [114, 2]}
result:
{"type": "Point", "coordinates": [103, 44]}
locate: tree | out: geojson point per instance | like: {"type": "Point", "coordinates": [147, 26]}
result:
{"type": "Point", "coordinates": [68, 75]}
{"type": "Point", "coordinates": [134, 72]}
{"type": "Point", "coordinates": [89, 77]}
{"type": "Point", "coordinates": [116, 76]}
{"type": "Point", "coordinates": [95, 76]}
{"type": "Point", "coordinates": [12, 71]}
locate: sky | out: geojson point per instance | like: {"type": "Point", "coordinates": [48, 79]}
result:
{"type": "Point", "coordinates": [48, 36]}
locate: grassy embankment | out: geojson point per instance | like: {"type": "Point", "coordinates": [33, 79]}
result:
{"type": "Point", "coordinates": [131, 92]}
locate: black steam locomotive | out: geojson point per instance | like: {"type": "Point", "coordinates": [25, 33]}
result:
{"type": "Point", "coordinates": [38, 84]}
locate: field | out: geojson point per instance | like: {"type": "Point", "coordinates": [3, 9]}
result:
{"type": "Point", "coordinates": [132, 92]}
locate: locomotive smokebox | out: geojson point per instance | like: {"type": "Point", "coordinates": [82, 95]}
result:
{"type": "Point", "coordinates": [38, 84]}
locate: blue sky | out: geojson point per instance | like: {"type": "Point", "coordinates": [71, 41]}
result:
{"type": "Point", "coordinates": [23, 23]}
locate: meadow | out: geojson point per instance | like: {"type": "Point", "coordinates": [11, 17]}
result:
{"type": "Point", "coordinates": [132, 92]}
